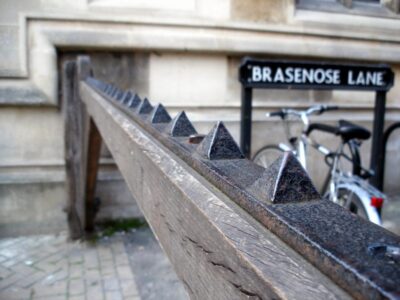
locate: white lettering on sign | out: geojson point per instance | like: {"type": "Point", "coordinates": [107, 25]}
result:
{"type": "Point", "coordinates": [266, 74]}
{"type": "Point", "coordinates": [279, 76]}
{"type": "Point", "coordinates": [365, 78]}
{"type": "Point", "coordinates": [256, 74]}
{"type": "Point", "coordinates": [295, 75]}
{"type": "Point", "coordinates": [329, 76]}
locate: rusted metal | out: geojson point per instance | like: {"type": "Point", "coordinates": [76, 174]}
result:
{"type": "Point", "coordinates": [196, 138]}
{"type": "Point", "coordinates": [284, 200]}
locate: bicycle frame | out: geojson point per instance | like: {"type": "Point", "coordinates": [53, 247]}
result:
{"type": "Point", "coordinates": [335, 178]}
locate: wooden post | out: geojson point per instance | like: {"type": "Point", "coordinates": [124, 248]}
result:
{"type": "Point", "coordinates": [72, 155]}
{"type": "Point", "coordinates": [82, 150]}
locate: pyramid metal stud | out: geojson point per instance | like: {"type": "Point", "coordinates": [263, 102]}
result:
{"type": "Point", "coordinates": [134, 101]}
{"type": "Point", "coordinates": [115, 92]}
{"type": "Point", "coordinates": [180, 126]}
{"type": "Point", "coordinates": [112, 90]}
{"type": "Point", "coordinates": [119, 95]}
{"type": "Point", "coordinates": [126, 97]}
{"type": "Point", "coordinates": [219, 144]}
{"type": "Point", "coordinates": [284, 181]}
{"type": "Point", "coordinates": [107, 89]}
{"type": "Point", "coordinates": [145, 107]}
{"type": "Point", "coordinates": [159, 115]}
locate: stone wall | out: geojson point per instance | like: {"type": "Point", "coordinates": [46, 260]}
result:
{"type": "Point", "coordinates": [184, 53]}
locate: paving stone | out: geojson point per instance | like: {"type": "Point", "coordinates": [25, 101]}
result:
{"type": "Point", "coordinates": [2, 258]}
{"type": "Point", "coordinates": [5, 272]}
{"type": "Point", "coordinates": [111, 284]}
{"type": "Point", "coordinates": [118, 248]}
{"type": "Point", "coordinates": [105, 254]}
{"type": "Point", "coordinates": [56, 289]}
{"type": "Point", "coordinates": [15, 294]}
{"type": "Point", "coordinates": [124, 272]}
{"type": "Point", "coordinates": [110, 270]}
{"type": "Point", "coordinates": [129, 288]}
{"type": "Point", "coordinates": [94, 290]}
{"type": "Point", "coordinates": [93, 274]}
{"type": "Point", "coordinates": [28, 281]}
{"type": "Point", "coordinates": [76, 271]}
{"type": "Point", "coordinates": [78, 297]}
{"type": "Point", "coordinates": [4, 283]}
{"type": "Point", "coordinates": [10, 262]}
{"type": "Point", "coordinates": [132, 298]}
{"type": "Point", "coordinates": [76, 287]}
{"type": "Point", "coordinates": [114, 295]}
{"type": "Point", "coordinates": [59, 297]}
{"type": "Point", "coordinates": [48, 267]}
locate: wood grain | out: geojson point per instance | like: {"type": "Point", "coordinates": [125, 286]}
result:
{"type": "Point", "coordinates": [82, 150]}
{"type": "Point", "coordinates": [72, 132]}
{"type": "Point", "coordinates": [218, 250]}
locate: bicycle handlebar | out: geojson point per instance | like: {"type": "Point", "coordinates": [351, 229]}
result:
{"type": "Point", "coordinates": [316, 109]}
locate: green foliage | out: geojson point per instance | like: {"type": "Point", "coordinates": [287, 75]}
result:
{"type": "Point", "coordinates": [109, 227]}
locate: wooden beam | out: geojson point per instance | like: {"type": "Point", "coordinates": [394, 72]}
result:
{"type": "Point", "coordinates": [217, 249]}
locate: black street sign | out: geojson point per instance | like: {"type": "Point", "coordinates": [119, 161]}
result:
{"type": "Point", "coordinates": [273, 74]}
{"type": "Point", "coordinates": [309, 75]}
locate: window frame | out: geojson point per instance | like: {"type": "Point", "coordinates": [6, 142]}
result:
{"type": "Point", "coordinates": [385, 8]}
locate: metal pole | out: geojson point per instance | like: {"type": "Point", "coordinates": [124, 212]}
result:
{"type": "Point", "coordinates": [377, 155]}
{"type": "Point", "coordinates": [245, 121]}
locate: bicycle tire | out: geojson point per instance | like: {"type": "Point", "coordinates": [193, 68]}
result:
{"type": "Point", "coordinates": [267, 155]}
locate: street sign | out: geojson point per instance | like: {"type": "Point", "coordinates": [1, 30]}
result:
{"type": "Point", "coordinates": [313, 75]}
{"type": "Point", "coordinates": [274, 74]}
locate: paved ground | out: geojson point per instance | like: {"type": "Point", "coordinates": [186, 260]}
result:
{"type": "Point", "coordinates": [124, 266]}
{"type": "Point", "coordinates": [49, 267]}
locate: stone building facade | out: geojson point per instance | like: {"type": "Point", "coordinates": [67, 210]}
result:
{"type": "Point", "coordinates": [185, 53]}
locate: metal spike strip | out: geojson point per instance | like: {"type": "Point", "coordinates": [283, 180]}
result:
{"type": "Point", "coordinates": [309, 227]}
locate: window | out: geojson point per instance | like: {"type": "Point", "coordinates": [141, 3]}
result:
{"type": "Point", "coordinates": [383, 8]}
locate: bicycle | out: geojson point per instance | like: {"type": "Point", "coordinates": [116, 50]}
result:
{"type": "Point", "coordinates": [349, 189]}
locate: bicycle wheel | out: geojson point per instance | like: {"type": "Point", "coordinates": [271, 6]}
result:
{"type": "Point", "coordinates": [267, 155]}
{"type": "Point", "coordinates": [351, 201]}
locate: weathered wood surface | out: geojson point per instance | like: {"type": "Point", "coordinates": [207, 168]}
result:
{"type": "Point", "coordinates": [217, 249]}
{"type": "Point", "coordinates": [72, 132]}
{"type": "Point", "coordinates": [82, 150]}
{"type": "Point", "coordinates": [92, 166]}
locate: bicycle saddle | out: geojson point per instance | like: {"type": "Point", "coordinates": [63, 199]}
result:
{"type": "Point", "coordinates": [348, 131]}
{"type": "Point", "coordinates": [345, 129]}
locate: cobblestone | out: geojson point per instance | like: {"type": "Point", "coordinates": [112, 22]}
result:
{"type": "Point", "coordinates": [50, 268]}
